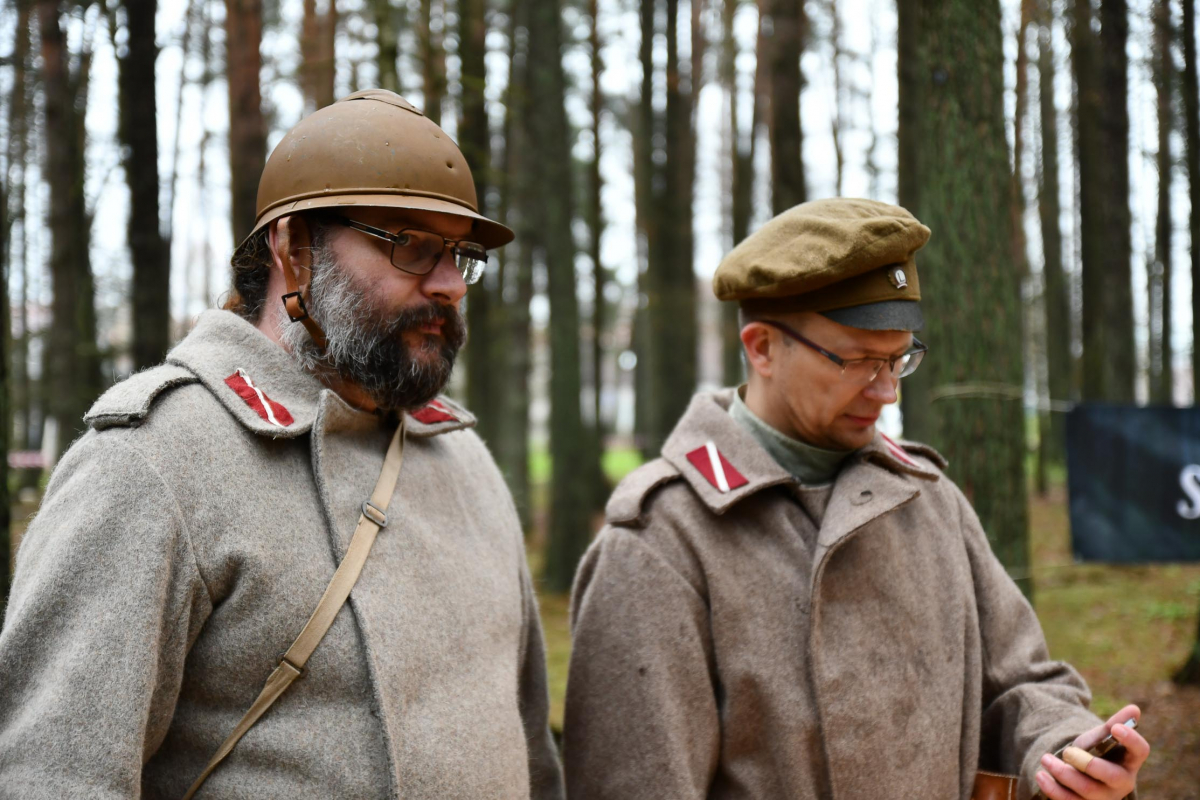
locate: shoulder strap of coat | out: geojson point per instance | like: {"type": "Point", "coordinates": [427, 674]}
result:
{"type": "Point", "coordinates": [291, 667]}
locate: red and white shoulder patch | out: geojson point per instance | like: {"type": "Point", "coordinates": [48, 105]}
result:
{"type": "Point", "coordinates": [897, 451]}
{"type": "Point", "coordinates": [433, 413]}
{"type": "Point", "coordinates": [715, 468]}
{"type": "Point", "coordinates": [264, 406]}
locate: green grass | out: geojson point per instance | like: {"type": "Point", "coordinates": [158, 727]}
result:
{"type": "Point", "coordinates": [617, 463]}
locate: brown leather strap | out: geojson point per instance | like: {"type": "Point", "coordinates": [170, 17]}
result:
{"type": "Point", "coordinates": [291, 666]}
{"type": "Point", "coordinates": [293, 301]}
{"type": "Point", "coordinates": [994, 786]}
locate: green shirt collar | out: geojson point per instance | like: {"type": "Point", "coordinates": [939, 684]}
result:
{"type": "Point", "coordinates": [810, 465]}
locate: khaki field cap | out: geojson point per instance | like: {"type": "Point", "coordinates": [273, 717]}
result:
{"type": "Point", "coordinates": [849, 259]}
{"type": "Point", "coordinates": [372, 148]}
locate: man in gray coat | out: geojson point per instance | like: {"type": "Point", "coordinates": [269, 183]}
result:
{"type": "Point", "coordinates": [187, 536]}
{"type": "Point", "coordinates": [789, 604]}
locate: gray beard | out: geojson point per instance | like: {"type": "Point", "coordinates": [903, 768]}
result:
{"type": "Point", "coordinates": [365, 344]}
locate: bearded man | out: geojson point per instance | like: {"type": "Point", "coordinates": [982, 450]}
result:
{"type": "Point", "coordinates": [156, 642]}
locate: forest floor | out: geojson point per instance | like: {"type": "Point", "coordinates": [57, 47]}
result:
{"type": "Point", "coordinates": [1126, 629]}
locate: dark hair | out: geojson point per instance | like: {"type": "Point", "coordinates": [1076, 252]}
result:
{"type": "Point", "coordinates": [251, 268]}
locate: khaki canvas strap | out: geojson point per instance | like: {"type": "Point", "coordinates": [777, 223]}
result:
{"type": "Point", "coordinates": [291, 666]}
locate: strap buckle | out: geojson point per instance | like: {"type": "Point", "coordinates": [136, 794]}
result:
{"type": "Point", "coordinates": [299, 301]}
{"type": "Point", "coordinates": [301, 671]}
{"type": "Point", "coordinates": [374, 513]}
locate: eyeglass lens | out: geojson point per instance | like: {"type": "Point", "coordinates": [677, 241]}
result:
{"type": "Point", "coordinates": [418, 252]}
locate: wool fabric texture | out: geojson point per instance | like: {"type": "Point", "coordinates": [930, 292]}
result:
{"type": "Point", "coordinates": [181, 546]}
{"type": "Point", "coordinates": [825, 255]}
{"type": "Point", "coordinates": [727, 646]}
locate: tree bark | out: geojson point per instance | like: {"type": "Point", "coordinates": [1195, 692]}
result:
{"type": "Point", "coordinates": [646, 174]}
{"type": "Point", "coordinates": [741, 160]}
{"type": "Point", "coordinates": [1054, 293]}
{"type": "Point", "coordinates": [138, 131]}
{"type": "Point", "coordinates": [789, 29]}
{"type": "Point", "coordinates": [965, 189]}
{"type": "Point", "coordinates": [71, 357]}
{"type": "Point", "coordinates": [568, 530]}
{"type": "Point", "coordinates": [433, 59]}
{"type": "Point", "coordinates": [247, 128]}
{"type": "Point", "coordinates": [1189, 673]}
{"type": "Point", "coordinates": [671, 308]}
{"type": "Point", "coordinates": [595, 224]}
{"type": "Point", "coordinates": [474, 139]}
{"type": "Point", "coordinates": [512, 346]}
{"type": "Point", "coordinates": [1161, 378]}
{"type": "Point", "coordinates": [1100, 68]}
{"type": "Point", "coordinates": [5, 387]}
{"type": "Point", "coordinates": [1191, 106]}
{"type": "Point", "coordinates": [318, 67]}
{"type": "Point", "coordinates": [21, 398]}
{"type": "Point", "coordinates": [387, 21]}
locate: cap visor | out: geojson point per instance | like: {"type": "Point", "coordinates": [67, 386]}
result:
{"type": "Point", "coordinates": [888, 315]}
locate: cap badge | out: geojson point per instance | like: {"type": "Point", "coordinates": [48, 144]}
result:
{"type": "Point", "coordinates": [715, 468]}
{"type": "Point", "coordinates": [898, 278]}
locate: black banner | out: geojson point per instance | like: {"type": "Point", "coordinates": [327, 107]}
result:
{"type": "Point", "coordinates": [1134, 481]}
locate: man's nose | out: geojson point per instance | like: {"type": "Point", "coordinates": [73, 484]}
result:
{"type": "Point", "coordinates": [444, 283]}
{"type": "Point", "coordinates": [883, 388]}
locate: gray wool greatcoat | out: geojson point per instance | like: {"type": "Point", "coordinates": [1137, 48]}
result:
{"type": "Point", "coordinates": [727, 647]}
{"type": "Point", "coordinates": [182, 544]}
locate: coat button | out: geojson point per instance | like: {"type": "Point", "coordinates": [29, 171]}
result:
{"type": "Point", "coordinates": [863, 497]}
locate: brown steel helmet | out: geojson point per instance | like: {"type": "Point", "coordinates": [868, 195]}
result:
{"type": "Point", "coordinates": [372, 148]}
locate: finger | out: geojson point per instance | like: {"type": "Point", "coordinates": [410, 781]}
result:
{"type": "Point", "coordinates": [1066, 775]}
{"type": "Point", "coordinates": [1130, 711]}
{"type": "Point", "coordinates": [1112, 776]}
{"type": "Point", "coordinates": [1137, 749]}
{"type": "Point", "coordinates": [1052, 788]}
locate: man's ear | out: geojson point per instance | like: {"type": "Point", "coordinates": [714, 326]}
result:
{"type": "Point", "coordinates": [758, 340]}
{"type": "Point", "coordinates": [290, 238]}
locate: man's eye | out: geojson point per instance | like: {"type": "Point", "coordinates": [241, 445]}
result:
{"type": "Point", "coordinates": [403, 239]}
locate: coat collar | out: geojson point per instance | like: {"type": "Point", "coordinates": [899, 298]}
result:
{"type": "Point", "coordinates": [260, 385]}
{"type": "Point", "coordinates": [707, 421]}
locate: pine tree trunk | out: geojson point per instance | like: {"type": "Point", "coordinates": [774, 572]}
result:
{"type": "Point", "coordinates": [649, 215]}
{"type": "Point", "coordinates": [568, 530]}
{"type": "Point", "coordinates": [1161, 379]}
{"type": "Point", "coordinates": [914, 395]}
{"type": "Point", "coordinates": [139, 138]}
{"type": "Point", "coordinates": [512, 344]}
{"type": "Point", "coordinates": [475, 142]}
{"type": "Point", "coordinates": [433, 59]}
{"type": "Point", "coordinates": [318, 68]}
{"type": "Point", "coordinates": [964, 178]}
{"type": "Point", "coordinates": [247, 128]}
{"type": "Point", "coordinates": [1100, 73]}
{"type": "Point", "coordinates": [595, 224]}
{"type": "Point", "coordinates": [21, 399]}
{"type": "Point", "coordinates": [71, 357]}
{"type": "Point", "coordinates": [1189, 673]}
{"type": "Point", "coordinates": [789, 28]}
{"type": "Point", "coordinates": [741, 160]}
{"type": "Point", "coordinates": [387, 40]}
{"type": "Point", "coordinates": [671, 310]}
{"type": "Point", "coordinates": [1054, 293]}
{"type": "Point", "coordinates": [5, 390]}
{"type": "Point", "coordinates": [1191, 106]}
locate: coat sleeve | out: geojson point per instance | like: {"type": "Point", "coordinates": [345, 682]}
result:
{"type": "Point", "coordinates": [1032, 705]}
{"type": "Point", "coordinates": [641, 716]}
{"type": "Point", "coordinates": [545, 773]}
{"type": "Point", "coordinates": [106, 600]}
